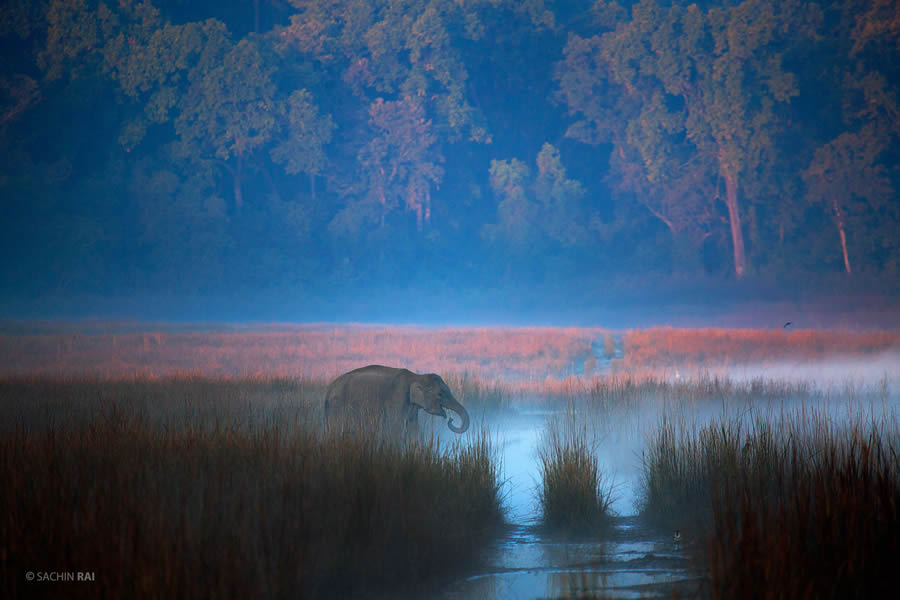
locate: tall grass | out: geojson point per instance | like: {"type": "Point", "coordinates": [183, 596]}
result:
{"type": "Point", "coordinates": [575, 495]}
{"type": "Point", "coordinates": [535, 358]}
{"type": "Point", "coordinates": [817, 514]}
{"type": "Point", "coordinates": [186, 488]}
{"type": "Point", "coordinates": [713, 347]}
{"type": "Point", "coordinates": [682, 468]}
{"type": "Point", "coordinates": [798, 504]}
{"type": "Point", "coordinates": [321, 351]}
{"type": "Point", "coordinates": [479, 394]}
{"type": "Point", "coordinates": [627, 390]}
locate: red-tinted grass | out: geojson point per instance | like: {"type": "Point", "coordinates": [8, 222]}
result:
{"type": "Point", "coordinates": [667, 347]}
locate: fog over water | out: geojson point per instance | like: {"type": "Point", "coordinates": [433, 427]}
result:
{"type": "Point", "coordinates": [632, 562]}
{"type": "Point", "coordinates": [825, 374]}
{"type": "Point", "coordinates": [843, 389]}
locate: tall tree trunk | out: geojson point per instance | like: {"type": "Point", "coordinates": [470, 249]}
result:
{"type": "Point", "coordinates": [734, 218]}
{"type": "Point", "coordinates": [839, 219]}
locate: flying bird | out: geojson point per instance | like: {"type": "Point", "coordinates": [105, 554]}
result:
{"type": "Point", "coordinates": [786, 325]}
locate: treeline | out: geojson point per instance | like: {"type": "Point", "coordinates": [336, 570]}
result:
{"type": "Point", "coordinates": [204, 146]}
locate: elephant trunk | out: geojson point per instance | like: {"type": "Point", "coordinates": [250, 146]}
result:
{"type": "Point", "coordinates": [461, 411]}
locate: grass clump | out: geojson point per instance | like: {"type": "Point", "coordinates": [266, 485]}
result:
{"type": "Point", "coordinates": [681, 469]}
{"type": "Point", "coordinates": [217, 498]}
{"type": "Point", "coordinates": [815, 516]}
{"type": "Point", "coordinates": [799, 505]}
{"type": "Point", "coordinates": [575, 495]}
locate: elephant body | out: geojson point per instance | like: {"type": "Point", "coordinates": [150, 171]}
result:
{"type": "Point", "coordinates": [389, 398]}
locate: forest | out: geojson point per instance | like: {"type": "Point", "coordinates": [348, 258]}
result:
{"type": "Point", "coordinates": [321, 146]}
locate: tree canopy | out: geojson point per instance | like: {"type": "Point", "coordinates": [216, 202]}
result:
{"type": "Point", "coordinates": [198, 146]}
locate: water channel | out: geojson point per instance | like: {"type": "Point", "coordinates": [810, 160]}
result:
{"type": "Point", "coordinates": [633, 560]}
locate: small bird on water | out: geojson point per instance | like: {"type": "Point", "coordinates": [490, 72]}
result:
{"type": "Point", "coordinates": [677, 536]}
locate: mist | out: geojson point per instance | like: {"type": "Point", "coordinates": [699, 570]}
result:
{"type": "Point", "coordinates": [843, 391]}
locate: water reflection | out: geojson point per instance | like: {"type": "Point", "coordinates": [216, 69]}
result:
{"type": "Point", "coordinates": [628, 562]}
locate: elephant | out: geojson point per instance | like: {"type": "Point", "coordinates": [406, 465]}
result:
{"type": "Point", "coordinates": [369, 395]}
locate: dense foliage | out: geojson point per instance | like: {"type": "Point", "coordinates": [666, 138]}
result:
{"type": "Point", "coordinates": [197, 147]}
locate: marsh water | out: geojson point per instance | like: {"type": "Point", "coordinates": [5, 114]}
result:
{"type": "Point", "coordinates": [630, 560]}
{"type": "Point", "coordinates": [633, 559]}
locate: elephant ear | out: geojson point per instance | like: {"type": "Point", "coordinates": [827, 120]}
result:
{"type": "Point", "coordinates": [417, 394]}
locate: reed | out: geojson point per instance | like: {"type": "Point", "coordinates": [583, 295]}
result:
{"type": "Point", "coordinates": [191, 487]}
{"type": "Point", "coordinates": [320, 351]}
{"type": "Point", "coordinates": [714, 347]}
{"type": "Point", "coordinates": [479, 394]}
{"type": "Point", "coordinates": [575, 495]}
{"type": "Point", "coordinates": [817, 514]}
{"type": "Point", "coordinates": [794, 504]}
{"type": "Point", "coordinates": [536, 359]}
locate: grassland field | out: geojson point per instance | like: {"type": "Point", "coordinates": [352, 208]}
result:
{"type": "Point", "coordinates": [180, 463]}
{"type": "Point", "coordinates": [513, 355]}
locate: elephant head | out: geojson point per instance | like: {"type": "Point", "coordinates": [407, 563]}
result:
{"type": "Point", "coordinates": [430, 393]}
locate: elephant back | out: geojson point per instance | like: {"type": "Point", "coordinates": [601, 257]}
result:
{"type": "Point", "coordinates": [370, 399]}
